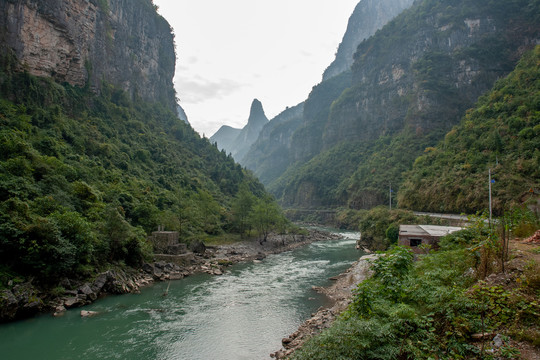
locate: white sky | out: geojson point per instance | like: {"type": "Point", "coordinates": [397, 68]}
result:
{"type": "Point", "coordinates": [231, 52]}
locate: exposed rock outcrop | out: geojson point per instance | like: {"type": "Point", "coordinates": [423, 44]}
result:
{"type": "Point", "coordinates": [237, 142]}
{"type": "Point", "coordinates": [411, 82]}
{"type": "Point", "coordinates": [274, 150]}
{"type": "Point", "coordinates": [23, 300]}
{"type": "Point", "coordinates": [83, 42]}
{"type": "Point", "coordinates": [368, 17]}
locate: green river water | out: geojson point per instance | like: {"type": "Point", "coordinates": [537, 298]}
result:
{"type": "Point", "coordinates": [243, 314]}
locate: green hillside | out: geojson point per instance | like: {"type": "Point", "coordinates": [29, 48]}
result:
{"type": "Point", "coordinates": [84, 178]}
{"type": "Point", "coordinates": [411, 83]}
{"type": "Point", "coordinates": [501, 133]}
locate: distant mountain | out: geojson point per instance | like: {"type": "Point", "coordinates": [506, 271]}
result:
{"type": "Point", "coordinates": [225, 137]}
{"type": "Point", "coordinates": [182, 114]}
{"type": "Point", "coordinates": [239, 145]}
{"type": "Point", "coordinates": [269, 155]}
{"type": "Point", "coordinates": [368, 17]}
{"type": "Point", "coordinates": [275, 151]}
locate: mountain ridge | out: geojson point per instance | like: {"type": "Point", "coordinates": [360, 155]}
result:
{"type": "Point", "coordinates": [411, 82]}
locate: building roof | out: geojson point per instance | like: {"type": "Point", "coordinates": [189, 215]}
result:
{"type": "Point", "coordinates": [427, 230]}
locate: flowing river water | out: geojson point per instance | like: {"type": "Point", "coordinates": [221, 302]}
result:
{"type": "Point", "coordinates": [243, 314]}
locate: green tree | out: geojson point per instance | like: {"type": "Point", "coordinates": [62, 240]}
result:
{"type": "Point", "coordinates": [266, 216]}
{"type": "Point", "coordinates": [241, 208]}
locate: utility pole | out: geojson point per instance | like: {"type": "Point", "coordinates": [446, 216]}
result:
{"type": "Point", "coordinates": [490, 208]}
{"type": "Point", "coordinates": [390, 196]}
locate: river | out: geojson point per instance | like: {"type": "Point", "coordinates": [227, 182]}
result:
{"type": "Point", "coordinates": [243, 314]}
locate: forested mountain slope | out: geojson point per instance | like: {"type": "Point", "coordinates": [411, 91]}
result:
{"type": "Point", "coordinates": [89, 168]}
{"type": "Point", "coordinates": [84, 178]}
{"type": "Point", "coordinates": [411, 83]}
{"type": "Point", "coordinates": [501, 133]}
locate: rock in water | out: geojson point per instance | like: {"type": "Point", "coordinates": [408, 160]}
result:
{"type": "Point", "coordinates": [85, 313]}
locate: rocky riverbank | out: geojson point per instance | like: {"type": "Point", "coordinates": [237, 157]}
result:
{"type": "Point", "coordinates": [340, 294]}
{"type": "Point", "coordinates": [26, 300]}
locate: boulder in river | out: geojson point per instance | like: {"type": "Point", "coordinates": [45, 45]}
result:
{"type": "Point", "coordinates": [8, 305]}
{"type": "Point", "coordinates": [86, 313]}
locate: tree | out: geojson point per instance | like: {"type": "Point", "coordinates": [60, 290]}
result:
{"type": "Point", "coordinates": [266, 216]}
{"type": "Point", "coordinates": [241, 208]}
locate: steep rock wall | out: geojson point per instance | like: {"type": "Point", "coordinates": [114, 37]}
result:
{"type": "Point", "coordinates": [368, 17]}
{"type": "Point", "coordinates": [85, 42]}
{"type": "Point", "coordinates": [269, 156]}
{"type": "Point", "coordinates": [411, 82]}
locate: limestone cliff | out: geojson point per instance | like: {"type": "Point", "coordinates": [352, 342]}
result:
{"type": "Point", "coordinates": [85, 42]}
{"type": "Point", "coordinates": [275, 149]}
{"type": "Point", "coordinates": [411, 82]}
{"type": "Point", "coordinates": [368, 17]}
{"type": "Point", "coordinates": [269, 156]}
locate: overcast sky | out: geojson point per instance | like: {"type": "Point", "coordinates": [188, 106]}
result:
{"type": "Point", "coordinates": [231, 52]}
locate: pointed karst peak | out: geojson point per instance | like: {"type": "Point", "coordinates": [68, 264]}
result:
{"type": "Point", "coordinates": [256, 114]}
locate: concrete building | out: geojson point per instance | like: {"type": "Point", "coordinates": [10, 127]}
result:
{"type": "Point", "coordinates": [416, 235]}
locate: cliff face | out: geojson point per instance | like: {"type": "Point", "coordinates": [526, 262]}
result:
{"type": "Point", "coordinates": [411, 82]}
{"type": "Point", "coordinates": [269, 156]}
{"type": "Point", "coordinates": [368, 17]}
{"type": "Point", "coordinates": [84, 42]}
{"type": "Point", "coordinates": [282, 142]}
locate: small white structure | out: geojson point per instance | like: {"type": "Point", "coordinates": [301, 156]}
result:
{"type": "Point", "coordinates": [416, 235]}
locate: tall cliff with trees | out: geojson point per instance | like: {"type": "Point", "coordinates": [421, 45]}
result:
{"type": "Point", "coordinates": [410, 83]}
{"type": "Point", "coordinates": [501, 134]}
{"type": "Point", "coordinates": [93, 154]}
{"type": "Point", "coordinates": [272, 153]}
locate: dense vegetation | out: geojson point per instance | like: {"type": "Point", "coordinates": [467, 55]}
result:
{"type": "Point", "coordinates": [429, 309]}
{"type": "Point", "coordinates": [85, 178]}
{"type": "Point", "coordinates": [411, 83]}
{"type": "Point", "coordinates": [501, 133]}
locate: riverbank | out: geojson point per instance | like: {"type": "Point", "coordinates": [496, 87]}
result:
{"type": "Point", "coordinates": [340, 294]}
{"type": "Point", "coordinates": [26, 300]}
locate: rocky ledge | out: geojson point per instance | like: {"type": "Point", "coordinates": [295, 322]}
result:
{"type": "Point", "coordinates": [340, 293]}
{"type": "Point", "coordinates": [26, 300]}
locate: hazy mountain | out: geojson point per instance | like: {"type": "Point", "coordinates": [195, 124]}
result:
{"type": "Point", "coordinates": [274, 152]}
{"type": "Point", "coordinates": [225, 137]}
{"type": "Point", "coordinates": [269, 155]}
{"type": "Point", "coordinates": [182, 114]}
{"type": "Point", "coordinates": [239, 146]}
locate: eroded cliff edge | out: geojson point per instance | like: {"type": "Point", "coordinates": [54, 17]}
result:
{"type": "Point", "coordinates": [88, 42]}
